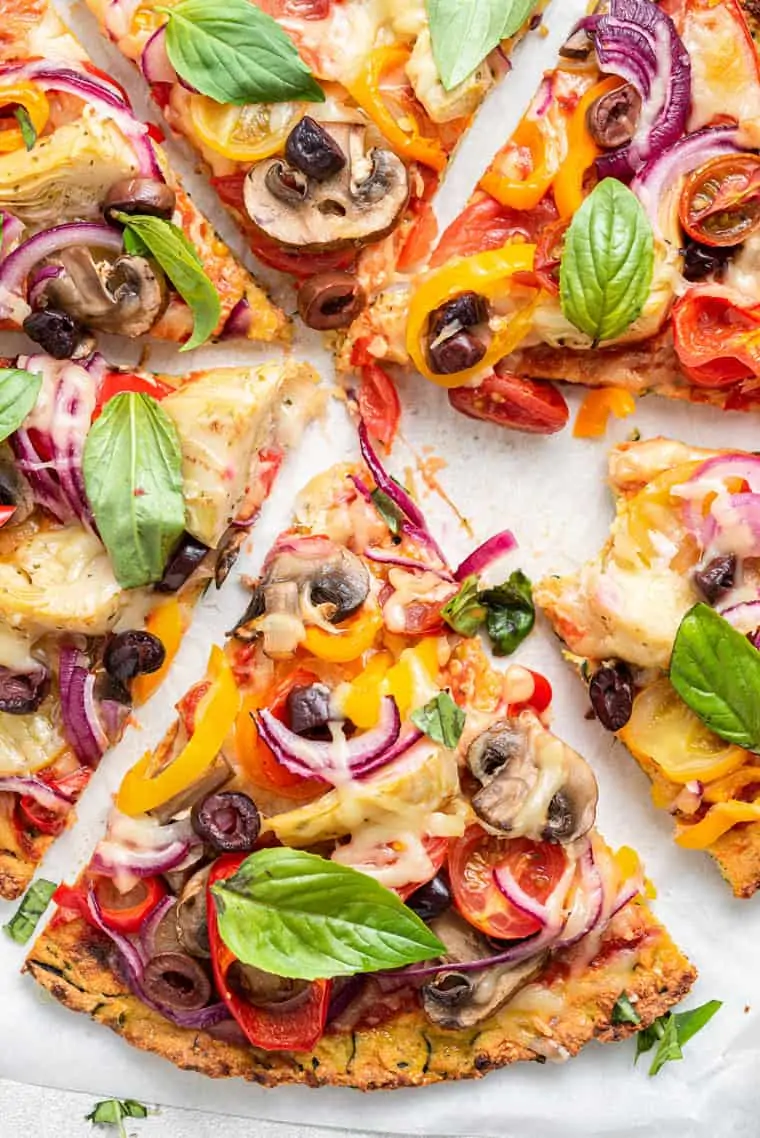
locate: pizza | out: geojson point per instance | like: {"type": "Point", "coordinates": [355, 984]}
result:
{"type": "Point", "coordinates": [123, 495]}
{"type": "Point", "coordinates": [613, 240]}
{"type": "Point", "coordinates": [680, 565]}
{"type": "Point", "coordinates": [329, 150]}
{"type": "Point", "coordinates": [351, 760]}
{"type": "Point", "coordinates": [98, 234]}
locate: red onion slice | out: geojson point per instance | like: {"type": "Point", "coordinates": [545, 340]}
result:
{"type": "Point", "coordinates": [18, 265]}
{"type": "Point", "coordinates": [75, 400]}
{"type": "Point", "coordinates": [12, 230]}
{"type": "Point", "coordinates": [154, 62]}
{"type": "Point", "coordinates": [388, 557]}
{"type": "Point", "coordinates": [744, 617]}
{"type": "Point", "coordinates": [588, 903]}
{"type": "Point", "coordinates": [44, 486]}
{"type": "Point", "coordinates": [485, 555]}
{"type": "Point", "coordinates": [713, 474]}
{"type": "Point", "coordinates": [517, 896]}
{"type": "Point", "coordinates": [652, 182]}
{"type": "Point", "coordinates": [238, 324]}
{"type": "Point", "coordinates": [112, 860]}
{"type": "Point", "coordinates": [333, 762]}
{"type": "Point", "coordinates": [49, 797]}
{"type": "Point", "coordinates": [148, 930]}
{"type": "Point", "coordinates": [81, 725]}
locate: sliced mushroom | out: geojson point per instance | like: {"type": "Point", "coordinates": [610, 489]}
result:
{"type": "Point", "coordinates": [165, 938]}
{"type": "Point", "coordinates": [191, 915]}
{"type": "Point", "coordinates": [361, 201]}
{"type": "Point", "coordinates": [125, 296]}
{"type": "Point", "coordinates": [459, 1000]}
{"type": "Point", "coordinates": [532, 784]}
{"type": "Point", "coordinates": [264, 989]}
{"type": "Point", "coordinates": [213, 778]}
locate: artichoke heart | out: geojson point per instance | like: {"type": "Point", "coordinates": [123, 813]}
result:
{"type": "Point", "coordinates": [29, 742]}
{"type": "Point", "coordinates": [66, 175]}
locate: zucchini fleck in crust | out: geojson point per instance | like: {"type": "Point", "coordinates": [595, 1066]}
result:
{"type": "Point", "coordinates": [549, 1020]}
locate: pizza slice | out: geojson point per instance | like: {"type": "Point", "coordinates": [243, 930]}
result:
{"type": "Point", "coordinates": [613, 240]}
{"type": "Point", "coordinates": [98, 234]}
{"type": "Point", "coordinates": [110, 532]}
{"type": "Point", "coordinates": [673, 591]}
{"type": "Point", "coordinates": [326, 125]}
{"type": "Point", "coordinates": [360, 857]}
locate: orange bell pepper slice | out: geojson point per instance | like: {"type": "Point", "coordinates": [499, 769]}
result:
{"type": "Point", "coordinates": [523, 193]}
{"type": "Point", "coordinates": [35, 103]}
{"type": "Point", "coordinates": [593, 416]}
{"type": "Point", "coordinates": [165, 622]}
{"type": "Point", "coordinates": [347, 643]}
{"type": "Point", "coordinates": [582, 152]}
{"type": "Point", "coordinates": [365, 89]}
{"type": "Point", "coordinates": [718, 820]}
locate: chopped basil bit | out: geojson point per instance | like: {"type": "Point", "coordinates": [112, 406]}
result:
{"type": "Point", "coordinates": [22, 924]}
{"type": "Point", "coordinates": [442, 720]}
{"type": "Point", "coordinates": [388, 511]}
{"type": "Point", "coordinates": [672, 1032]}
{"type": "Point", "coordinates": [464, 612]}
{"type": "Point", "coordinates": [26, 126]}
{"type": "Point", "coordinates": [510, 614]}
{"type": "Point", "coordinates": [624, 1011]}
{"type": "Point", "coordinates": [112, 1112]}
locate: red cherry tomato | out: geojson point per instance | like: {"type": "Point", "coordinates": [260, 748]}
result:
{"type": "Point", "coordinates": [305, 9]}
{"type": "Point", "coordinates": [715, 332]}
{"type": "Point", "coordinates": [437, 850]}
{"type": "Point", "coordinates": [486, 224]}
{"type": "Point", "coordinates": [125, 912]}
{"type": "Point", "coordinates": [541, 698]}
{"type": "Point", "coordinates": [379, 404]}
{"type": "Point", "coordinates": [257, 758]}
{"type": "Point", "coordinates": [527, 405]}
{"type": "Point", "coordinates": [115, 382]}
{"type": "Point", "coordinates": [536, 867]}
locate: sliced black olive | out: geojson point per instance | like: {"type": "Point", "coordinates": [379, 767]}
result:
{"type": "Point", "coordinates": [466, 310]}
{"type": "Point", "coordinates": [430, 900]}
{"type": "Point", "coordinates": [184, 560]}
{"type": "Point", "coordinates": [701, 261]}
{"type": "Point", "coordinates": [313, 151]}
{"type": "Point", "coordinates": [330, 300]}
{"type": "Point", "coordinates": [177, 981]}
{"type": "Point", "coordinates": [56, 332]}
{"type": "Point", "coordinates": [146, 196]}
{"type": "Point", "coordinates": [228, 821]}
{"type": "Point", "coordinates": [611, 693]}
{"type": "Point", "coordinates": [458, 353]}
{"type": "Point", "coordinates": [133, 653]}
{"type": "Point", "coordinates": [308, 709]}
{"type": "Point", "coordinates": [22, 692]}
{"type": "Point", "coordinates": [342, 586]}
{"type": "Point", "coordinates": [717, 578]}
{"type": "Point", "coordinates": [613, 118]}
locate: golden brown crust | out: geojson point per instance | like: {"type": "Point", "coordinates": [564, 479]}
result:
{"type": "Point", "coordinates": [72, 962]}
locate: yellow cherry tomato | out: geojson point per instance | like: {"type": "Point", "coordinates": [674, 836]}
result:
{"type": "Point", "coordinates": [347, 643]}
{"type": "Point", "coordinates": [243, 134]}
{"type": "Point", "coordinates": [487, 274]}
{"type": "Point", "coordinates": [582, 152]}
{"type": "Point", "coordinates": [718, 820]}
{"type": "Point", "coordinates": [165, 622]}
{"type": "Point", "coordinates": [663, 730]}
{"type": "Point", "coordinates": [595, 411]}
{"type": "Point", "coordinates": [732, 785]}
{"type": "Point", "coordinates": [34, 101]}
{"type": "Point", "coordinates": [656, 510]}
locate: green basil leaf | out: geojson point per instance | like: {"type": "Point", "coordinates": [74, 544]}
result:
{"type": "Point", "coordinates": [716, 672]}
{"type": "Point", "coordinates": [133, 477]}
{"type": "Point", "coordinates": [133, 1109]}
{"type": "Point", "coordinates": [179, 259]}
{"type": "Point", "coordinates": [608, 262]}
{"type": "Point", "coordinates": [18, 394]}
{"type": "Point", "coordinates": [298, 915]}
{"type": "Point", "coordinates": [624, 1011]}
{"type": "Point", "coordinates": [112, 1111]}
{"type": "Point", "coordinates": [646, 1039]}
{"type": "Point", "coordinates": [668, 1048]}
{"type": "Point", "coordinates": [388, 511]}
{"type": "Point", "coordinates": [442, 720]}
{"type": "Point", "coordinates": [33, 904]}
{"type": "Point", "coordinates": [510, 613]}
{"type": "Point", "coordinates": [463, 34]}
{"type": "Point", "coordinates": [235, 53]}
{"type": "Point", "coordinates": [464, 612]}
{"type": "Point", "coordinates": [673, 1031]}
{"type": "Point", "coordinates": [26, 126]}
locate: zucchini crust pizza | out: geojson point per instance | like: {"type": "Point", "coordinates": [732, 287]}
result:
{"type": "Point", "coordinates": [662, 625]}
{"type": "Point", "coordinates": [123, 495]}
{"type": "Point", "coordinates": [326, 125]}
{"type": "Point", "coordinates": [98, 235]}
{"type": "Point", "coordinates": [359, 857]}
{"type": "Point", "coordinates": [613, 241]}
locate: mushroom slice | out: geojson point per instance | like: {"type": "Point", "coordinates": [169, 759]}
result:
{"type": "Point", "coordinates": [191, 915]}
{"type": "Point", "coordinates": [125, 296]}
{"type": "Point", "coordinates": [459, 1000]}
{"type": "Point", "coordinates": [532, 784]}
{"type": "Point", "coordinates": [361, 202]}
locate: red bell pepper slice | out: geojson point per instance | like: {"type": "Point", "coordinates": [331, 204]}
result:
{"type": "Point", "coordinates": [298, 1028]}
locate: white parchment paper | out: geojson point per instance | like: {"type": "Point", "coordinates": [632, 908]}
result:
{"type": "Point", "coordinates": [551, 492]}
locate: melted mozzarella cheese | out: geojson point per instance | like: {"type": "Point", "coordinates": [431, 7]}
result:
{"type": "Point", "coordinates": [724, 71]}
{"type": "Point", "coordinates": [442, 105]}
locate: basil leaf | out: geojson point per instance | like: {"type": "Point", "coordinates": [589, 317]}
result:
{"type": "Point", "coordinates": [235, 53]}
{"type": "Point", "coordinates": [26, 918]}
{"type": "Point", "coordinates": [510, 613]}
{"type": "Point", "coordinates": [442, 720]}
{"type": "Point", "coordinates": [179, 259]}
{"type": "Point", "coordinates": [608, 262]}
{"type": "Point", "coordinates": [464, 612]}
{"type": "Point", "coordinates": [18, 394]}
{"type": "Point", "coordinates": [691, 1022]}
{"type": "Point", "coordinates": [133, 477]}
{"type": "Point", "coordinates": [624, 1011]}
{"type": "Point", "coordinates": [668, 1048]}
{"type": "Point", "coordinates": [26, 126]}
{"type": "Point", "coordinates": [298, 915]}
{"type": "Point", "coordinates": [111, 1112]}
{"type": "Point", "coordinates": [672, 1032]}
{"type": "Point", "coordinates": [388, 511]}
{"type": "Point", "coordinates": [716, 672]}
{"type": "Point", "coordinates": [463, 34]}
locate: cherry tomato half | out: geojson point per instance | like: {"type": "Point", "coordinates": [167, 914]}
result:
{"type": "Point", "coordinates": [549, 250]}
{"type": "Point", "coordinates": [379, 404]}
{"type": "Point", "coordinates": [541, 698]}
{"type": "Point", "coordinates": [527, 405]}
{"type": "Point", "coordinates": [715, 333]}
{"type": "Point", "coordinates": [255, 756]}
{"type": "Point", "coordinates": [720, 202]}
{"type": "Point", "coordinates": [536, 867]}
{"type": "Point", "coordinates": [115, 382]}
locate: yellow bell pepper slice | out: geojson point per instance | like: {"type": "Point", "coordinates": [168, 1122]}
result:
{"type": "Point", "coordinates": [486, 274]}
{"type": "Point", "coordinates": [523, 193]}
{"type": "Point", "coordinates": [724, 789]}
{"type": "Point", "coordinates": [582, 152]}
{"type": "Point", "coordinates": [365, 90]}
{"type": "Point", "coordinates": [404, 680]}
{"type": "Point", "coordinates": [243, 133]}
{"type": "Point", "coordinates": [718, 821]}
{"type": "Point", "coordinates": [346, 644]}
{"type": "Point", "coordinates": [595, 411]}
{"type": "Point", "coordinates": [34, 101]}
{"type": "Point", "coordinates": [361, 704]}
{"type": "Point", "coordinates": [140, 791]}
{"type": "Point", "coordinates": [165, 622]}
